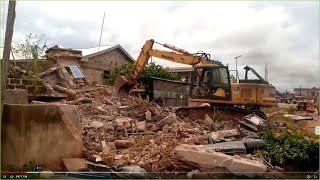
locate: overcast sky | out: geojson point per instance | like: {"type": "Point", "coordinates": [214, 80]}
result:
{"type": "Point", "coordinates": [284, 35]}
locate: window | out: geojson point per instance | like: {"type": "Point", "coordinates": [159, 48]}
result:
{"type": "Point", "coordinates": [223, 75]}
{"type": "Point", "coordinates": [106, 74]}
{"type": "Point", "coordinates": [74, 71]}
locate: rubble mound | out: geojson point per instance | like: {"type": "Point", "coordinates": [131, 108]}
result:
{"type": "Point", "coordinates": [129, 131]}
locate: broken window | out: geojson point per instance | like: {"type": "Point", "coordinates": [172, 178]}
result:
{"type": "Point", "coordinates": [74, 71]}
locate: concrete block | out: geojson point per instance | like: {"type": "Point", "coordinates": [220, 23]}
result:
{"type": "Point", "coordinates": [207, 160]}
{"type": "Point", "coordinates": [247, 167]}
{"type": "Point", "coordinates": [37, 132]}
{"type": "Point", "coordinates": [71, 112]}
{"type": "Point", "coordinates": [74, 164]}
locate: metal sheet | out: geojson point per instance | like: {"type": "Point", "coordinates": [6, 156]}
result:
{"type": "Point", "coordinates": [298, 118]}
{"type": "Point", "coordinates": [254, 119]}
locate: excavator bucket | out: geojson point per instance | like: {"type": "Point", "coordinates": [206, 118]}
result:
{"type": "Point", "coordinates": [123, 85]}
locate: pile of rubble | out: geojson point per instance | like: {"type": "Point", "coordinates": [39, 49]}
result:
{"type": "Point", "coordinates": [130, 132]}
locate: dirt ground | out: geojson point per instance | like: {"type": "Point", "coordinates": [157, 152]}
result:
{"type": "Point", "coordinates": [275, 115]}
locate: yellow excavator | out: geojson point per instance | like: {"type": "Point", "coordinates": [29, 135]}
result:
{"type": "Point", "coordinates": [210, 81]}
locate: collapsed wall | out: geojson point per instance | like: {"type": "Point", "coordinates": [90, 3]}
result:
{"type": "Point", "coordinates": [41, 133]}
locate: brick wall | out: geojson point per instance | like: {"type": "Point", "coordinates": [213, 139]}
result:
{"type": "Point", "coordinates": [108, 61]}
{"type": "Point", "coordinates": [112, 59]}
{"type": "Point", "coordinates": [24, 63]}
{"type": "Point", "coordinates": [93, 75]}
{"type": "Point", "coordinates": [33, 86]}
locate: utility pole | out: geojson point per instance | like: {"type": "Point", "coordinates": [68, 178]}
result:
{"type": "Point", "coordinates": [266, 72]}
{"type": "Point", "coordinates": [237, 66]}
{"type": "Point", "coordinates": [104, 13]}
{"type": "Point", "coordinates": [7, 48]}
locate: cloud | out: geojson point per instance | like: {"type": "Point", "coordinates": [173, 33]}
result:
{"type": "Point", "coordinates": [281, 34]}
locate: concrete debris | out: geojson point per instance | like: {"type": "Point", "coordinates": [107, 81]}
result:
{"type": "Point", "coordinates": [207, 160]}
{"type": "Point", "coordinates": [249, 126]}
{"type": "Point", "coordinates": [192, 173]}
{"type": "Point", "coordinates": [81, 100]}
{"type": "Point", "coordinates": [135, 172]}
{"type": "Point", "coordinates": [208, 121]}
{"type": "Point", "coordinates": [98, 158]}
{"type": "Point", "coordinates": [96, 124]}
{"type": "Point", "coordinates": [255, 123]}
{"type": "Point", "coordinates": [123, 143]}
{"type": "Point", "coordinates": [74, 164]}
{"type": "Point", "coordinates": [105, 148]}
{"type": "Point", "coordinates": [71, 93]}
{"type": "Point", "coordinates": [51, 70]}
{"type": "Point", "coordinates": [254, 119]}
{"type": "Point", "coordinates": [128, 131]}
{"type": "Point", "coordinates": [297, 117]}
{"type": "Point", "coordinates": [104, 117]}
{"type": "Point", "coordinates": [101, 109]}
{"type": "Point", "coordinates": [219, 136]}
{"type": "Point", "coordinates": [148, 116]}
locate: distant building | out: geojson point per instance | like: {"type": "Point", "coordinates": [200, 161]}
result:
{"type": "Point", "coordinates": [97, 65]}
{"type": "Point", "coordinates": [184, 73]}
{"type": "Point", "coordinates": [309, 93]}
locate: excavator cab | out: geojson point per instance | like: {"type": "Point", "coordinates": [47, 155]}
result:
{"type": "Point", "coordinates": [210, 82]}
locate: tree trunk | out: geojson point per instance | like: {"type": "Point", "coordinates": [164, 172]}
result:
{"type": "Point", "coordinates": [7, 48]}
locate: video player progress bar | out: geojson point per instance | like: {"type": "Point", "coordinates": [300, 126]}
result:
{"type": "Point", "coordinates": [98, 172]}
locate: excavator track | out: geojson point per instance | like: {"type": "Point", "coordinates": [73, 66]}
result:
{"type": "Point", "coordinates": [198, 112]}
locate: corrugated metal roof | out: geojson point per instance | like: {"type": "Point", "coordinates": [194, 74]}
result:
{"type": "Point", "coordinates": [94, 51]}
{"type": "Point", "coordinates": [179, 69]}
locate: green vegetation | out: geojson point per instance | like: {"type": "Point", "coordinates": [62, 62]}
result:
{"type": "Point", "coordinates": [291, 110]}
{"type": "Point", "coordinates": [151, 70]}
{"type": "Point", "coordinates": [36, 67]}
{"type": "Point", "coordinates": [31, 166]}
{"type": "Point", "coordinates": [290, 149]}
{"type": "Point", "coordinates": [12, 73]}
{"type": "Point", "coordinates": [32, 49]}
{"type": "Point", "coordinates": [118, 71]}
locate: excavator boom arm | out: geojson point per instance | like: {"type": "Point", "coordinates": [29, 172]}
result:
{"type": "Point", "coordinates": [124, 84]}
{"type": "Point", "coordinates": [147, 52]}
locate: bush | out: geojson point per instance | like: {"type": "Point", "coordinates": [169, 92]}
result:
{"type": "Point", "coordinates": [290, 148]}
{"type": "Point", "coordinates": [35, 66]}
{"type": "Point", "coordinates": [151, 70]}
{"type": "Point", "coordinates": [12, 73]}
{"type": "Point", "coordinates": [118, 71]}
{"type": "Point", "coordinates": [31, 166]}
{"type": "Point", "coordinates": [291, 110]}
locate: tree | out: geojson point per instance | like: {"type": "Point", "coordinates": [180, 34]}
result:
{"type": "Point", "coordinates": [31, 48]}
{"type": "Point", "coordinates": [151, 70]}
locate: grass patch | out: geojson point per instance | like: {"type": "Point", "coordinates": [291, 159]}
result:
{"type": "Point", "coordinates": [31, 166]}
{"type": "Point", "coordinates": [291, 110]}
